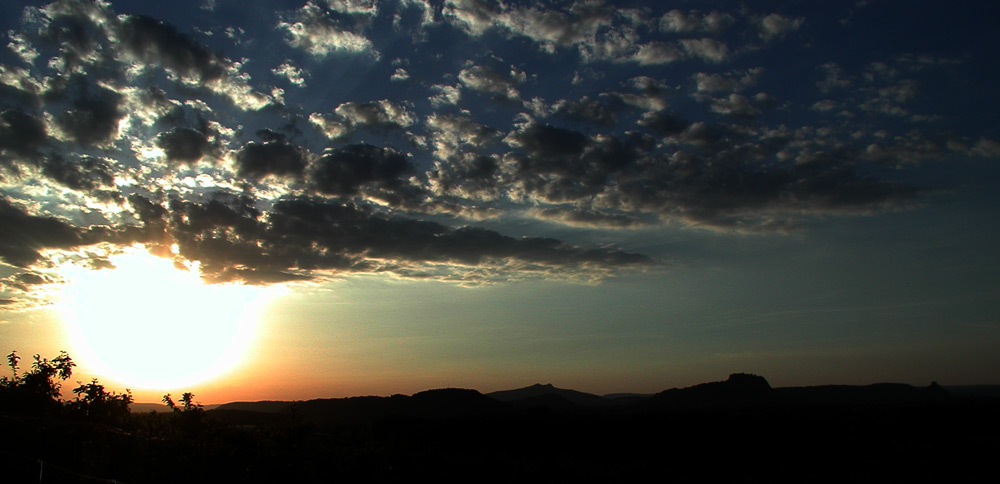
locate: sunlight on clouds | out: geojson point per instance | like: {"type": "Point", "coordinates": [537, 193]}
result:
{"type": "Point", "coordinates": [150, 323]}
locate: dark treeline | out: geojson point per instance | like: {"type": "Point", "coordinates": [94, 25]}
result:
{"type": "Point", "coordinates": [739, 429]}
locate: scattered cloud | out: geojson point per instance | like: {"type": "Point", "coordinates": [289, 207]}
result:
{"type": "Point", "coordinates": [293, 74]}
{"type": "Point", "coordinates": [484, 79]}
{"type": "Point", "coordinates": [311, 29]}
{"type": "Point", "coordinates": [118, 129]}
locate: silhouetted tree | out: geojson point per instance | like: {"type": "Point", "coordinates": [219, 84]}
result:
{"type": "Point", "coordinates": [189, 416]}
{"type": "Point", "coordinates": [95, 402]}
{"type": "Point", "coordinates": [36, 391]}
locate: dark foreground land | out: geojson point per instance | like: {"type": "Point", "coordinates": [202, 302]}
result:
{"type": "Point", "coordinates": [738, 430]}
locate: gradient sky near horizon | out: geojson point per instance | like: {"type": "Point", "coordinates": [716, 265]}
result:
{"type": "Point", "coordinates": [284, 199]}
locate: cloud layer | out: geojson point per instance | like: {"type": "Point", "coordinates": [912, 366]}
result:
{"type": "Point", "coordinates": [417, 138]}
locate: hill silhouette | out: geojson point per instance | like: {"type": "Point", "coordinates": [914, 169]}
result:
{"type": "Point", "coordinates": [548, 396]}
{"type": "Point", "coordinates": [737, 429]}
{"type": "Point", "coordinates": [738, 391]}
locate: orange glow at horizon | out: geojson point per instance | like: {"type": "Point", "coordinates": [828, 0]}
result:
{"type": "Point", "coordinates": [152, 326]}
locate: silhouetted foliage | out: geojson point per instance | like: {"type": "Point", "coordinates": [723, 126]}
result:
{"type": "Point", "coordinates": [36, 391]}
{"type": "Point", "coordinates": [94, 402]}
{"type": "Point", "coordinates": [885, 432]}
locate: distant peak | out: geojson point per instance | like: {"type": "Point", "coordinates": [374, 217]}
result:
{"type": "Point", "coordinates": [539, 385]}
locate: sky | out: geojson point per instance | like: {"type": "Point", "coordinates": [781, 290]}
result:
{"type": "Point", "coordinates": [286, 200]}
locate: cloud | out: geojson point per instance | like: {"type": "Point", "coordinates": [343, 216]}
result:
{"type": "Point", "coordinates": [306, 237]}
{"type": "Point", "coordinates": [383, 113]}
{"type": "Point", "coordinates": [588, 110]}
{"type": "Point", "coordinates": [559, 165]}
{"type": "Point", "coordinates": [399, 75]}
{"type": "Point", "coordinates": [288, 71]}
{"type": "Point", "coordinates": [694, 21]}
{"type": "Point", "coordinates": [310, 29]}
{"type": "Point", "coordinates": [776, 26]}
{"type": "Point", "coordinates": [330, 127]}
{"type": "Point", "coordinates": [119, 129]}
{"type": "Point", "coordinates": [156, 42]}
{"type": "Point", "coordinates": [381, 173]}
{"type": "Point", "coordinates": [184, 145]}
{"type": "Point", "coordinates": [832, 78]}
{"type": "Point", "coordinates": [736, 105]}
{"type": "Point", "coordinates": [654, 53]}
{"type": "Point", "coordinates": [356, 7]}
{"type": "Point", "coordinates": [21, 136]}
{"type": "Point", "coordinates": [987, 148]}
{"type": "Point", "coordinates": [25, 235]}
{"type": "Point", "coordinates": [469, 175]}
{"type": "Point", "coordinates": [94, 114]}
{"type": "Point", "coordinates": [273, 157]}
{"type": "Point", "coordinates": [824, 105]}
{"type": "Point", "coordinates": [708, 49]}
{"type": "Point", "coordinates": [450, 131]}
{"type": "Point", "coordinates": [84, 173]}
{"type": "Point", "coordinates": [351, 116]}
{"type": "Point", "coordinates": [730, 82]}
{"type": "Point", "coordinates": [578, 24]}
{"type": "Point", "coordinates": [445, 95]}
{"type": "Point", "coordinates": [475, 16]}
{"type": "Point", "coordinates": [484, 79]}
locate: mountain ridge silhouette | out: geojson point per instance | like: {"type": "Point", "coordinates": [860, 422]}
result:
{"type": "Point", "coordinates": [739, 390]}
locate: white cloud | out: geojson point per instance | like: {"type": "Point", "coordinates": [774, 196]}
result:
{"type": "Point", "coordinates": [824, 105]}
{"type": "Point", "coordinates": [475, 16]}
{"type": "Point", "coordinates": [357, 7]}
{"type": "Point", "coordinates": [19, 45]}
{"type": "Point", "coordinates": [708, 49]}
{"type": "Point", "coordinates": [693, 21]}
{"type": "Point", "coordinates": [400, 75]}
{"type": "Point", "coordinates": [331, 128]}
{"type": "Point", "coordinates": [658, 53]}
{"type": "Point", "coordinates": [833, 78]}
{"type": "Point", "coordinates": [775, 25]}
{"type": "Point", "coordinates": [445, 95]}
{"type": "Point", "coordinates": [734, 105]}
{"type": "Point", "coordinates": [729, 82]}
{"type": "Point", "coordinates": [987, 148]}
{"type": "Point", "coordinates": [310, 29]}
{"type": "Point", "coordinates": [484, 79]}
{"type": "Point", "coordinates": [290, 72]}
{"type": "Point", "coordinates": [382, 112]}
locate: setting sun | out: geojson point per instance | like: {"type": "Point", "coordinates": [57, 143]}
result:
{"type": "Point", "coordinates": [151, 325]}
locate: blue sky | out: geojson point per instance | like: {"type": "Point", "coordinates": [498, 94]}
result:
{"type": "Point", "coordinates": [614, 196]}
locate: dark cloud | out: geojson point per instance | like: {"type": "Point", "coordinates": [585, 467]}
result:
{"type": "Point", "coordinates": [588, 110]}
{"type": "Point", "coordinates": [74, 31]}
{"type": "Point", "coordinates": [272, 157]}
{"type": "Point", "coordinates": [156, 42]}
{"type": "Point", "coordinates": [184, 145]}
{"type": "Point", "coordinates": [382, 113]}
{"type": "Point", "coordinates": [21, 136]}
{"type": "Point", "coordinates": [562, 165]}
{"type": "Point", "coordinates": [475, 174]}
{"type": "Point", "coordinates": [24, 235]}
{"type": "Point", "coordinates": [23, 281]}
{"type": "Point", "coordinates": [95, 113]}
{"type": "Point", "coordinates": [663, 122]}
{"type": "Point", "coordinates": [346, 171]}
{"type": "Point", "coordinates": [586, 155]}
{"type": "Point", "coordinates": [547, 142]}
{"type": "Point", "coordinates": [83, 173]}
{"type": "Point", "coordinates": [299, 236]}
{"type": "Point", "coordinates": [741, 187]}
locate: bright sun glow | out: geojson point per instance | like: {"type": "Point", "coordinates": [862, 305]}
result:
{"type": "Point", "coordinates": [150, 325]}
